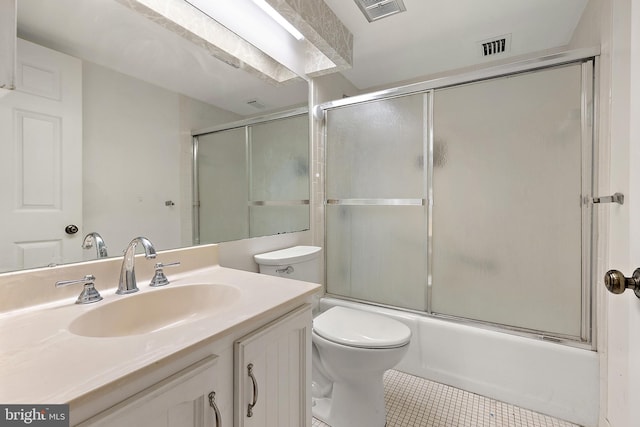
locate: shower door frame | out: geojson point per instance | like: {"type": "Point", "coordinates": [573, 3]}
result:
{"type": "Point", "coordinates": [590, 62]}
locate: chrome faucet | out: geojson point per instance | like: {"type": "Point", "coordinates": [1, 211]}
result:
{"type": "Point", "coordinates": [127, 282]}
{"type": "Point", "coordinates": [94, 239]}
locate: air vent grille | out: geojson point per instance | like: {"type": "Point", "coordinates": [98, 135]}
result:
{"type": "Point", "coordinates": [378, 9]}
{"type": "Point", "coordinates": [370, 3]}
{"type": "Point", "coordinates": [256, 104]}
{"type": "Point", "coordinates": [495, 45]}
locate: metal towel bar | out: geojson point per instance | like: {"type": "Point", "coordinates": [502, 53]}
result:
{"type": "Point", "coordinates": [616, 198]}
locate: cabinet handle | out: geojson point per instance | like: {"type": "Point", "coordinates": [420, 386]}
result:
{"type": "Point", "coordinates": [255, 390]}
{"type": "Point", "coordinates": [216, 411]}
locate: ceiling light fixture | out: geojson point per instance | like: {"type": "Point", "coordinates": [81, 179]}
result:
{"type": "Point", "coordinates": [241, 34]}
{"type": "Point", "coordinates": [269, 10]}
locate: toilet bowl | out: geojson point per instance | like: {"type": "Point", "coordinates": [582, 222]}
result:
{"type": "Point", "coordinates": [351, 348]}
{"type": "Point", "coordinates": [351, 351]}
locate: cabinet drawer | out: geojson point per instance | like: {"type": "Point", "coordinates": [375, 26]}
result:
{"type": "Point", "coordinates": [180, 400]}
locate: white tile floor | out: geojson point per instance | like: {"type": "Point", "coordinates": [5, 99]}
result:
{"type": "Point", "coordinates": [416, 402]}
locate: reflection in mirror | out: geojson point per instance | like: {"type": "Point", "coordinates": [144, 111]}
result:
{"type": "Point", "coordinates": [105, 105]}
{"type": "Point", "coordinates": [251, 178]}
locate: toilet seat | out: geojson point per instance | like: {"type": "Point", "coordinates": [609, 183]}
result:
{"type": "Point", "coordinates": [356, 328]}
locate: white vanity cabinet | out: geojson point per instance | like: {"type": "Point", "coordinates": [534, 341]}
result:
{"type": "Point", "coordinates": [272, 373]}
{"type": "Point", "coordinates": [280, 355]}
{"type": "Point", "coordinates": [192, 397]}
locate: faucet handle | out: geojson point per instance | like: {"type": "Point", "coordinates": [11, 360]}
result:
{"type": "Point", "coordinates": [89, 293]}
{"type": "Point", "coordinates": [159, 278]}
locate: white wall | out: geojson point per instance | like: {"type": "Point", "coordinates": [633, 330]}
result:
{"type": "Point", "coordinates": [145, 132]}
{"type": "Point", "coordinates": [588, 30]}
{"type": "Point", "coordinates": [136, 156]}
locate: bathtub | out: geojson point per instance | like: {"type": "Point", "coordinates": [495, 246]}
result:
{"type": "Point", "coordinates": [545, 377]}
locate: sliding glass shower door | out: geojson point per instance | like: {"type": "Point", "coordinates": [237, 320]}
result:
{"type": "Point", "coordinates": [470, 201]}
{"type": "Point", "coordinates": [508, 206]}
{"type": "Point", "coordinates": [376, 189]}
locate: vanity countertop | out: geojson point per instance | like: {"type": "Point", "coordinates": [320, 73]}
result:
{"type": "Point", "coordinates": [42, 362]}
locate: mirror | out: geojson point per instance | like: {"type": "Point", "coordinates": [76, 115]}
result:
{"type": "Point", "coordinates": [127, 93]}
{"type": "Point", "coordinates": [252, 179]}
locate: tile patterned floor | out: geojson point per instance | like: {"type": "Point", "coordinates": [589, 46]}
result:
{"type": "Point", "coordinates": [416, 402]}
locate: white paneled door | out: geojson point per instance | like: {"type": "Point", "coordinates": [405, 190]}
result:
{"type": "Point", "coordinates": [634, 231]}
{"type": "Point", "coordinates": [41, 160]}
{"type": "Point", "coordinates": [622, 351]}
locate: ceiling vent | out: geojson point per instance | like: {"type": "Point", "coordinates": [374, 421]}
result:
{"type": "Point", "coordinates": [378, 9]}
{"type": "Point", "coordinates": [495, 45]}
{"type": "Point", "coordinates": [256, 104]}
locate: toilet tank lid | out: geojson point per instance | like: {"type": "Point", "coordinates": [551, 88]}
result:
{"type": "Point", "coordinates": [288, 256]}
{"type": "Point", "coordinates": [357, 328]}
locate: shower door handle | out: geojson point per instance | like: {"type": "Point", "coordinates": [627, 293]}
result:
{"type": "Point", "coordinates": [617, 283]}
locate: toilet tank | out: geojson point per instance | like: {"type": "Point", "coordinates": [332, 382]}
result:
{"type": "Point", "coordinates": [298, 262]}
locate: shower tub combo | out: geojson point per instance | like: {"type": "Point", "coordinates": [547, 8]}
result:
{"type": "Point", "coordinates": [463, 207]}
{"type": "Point", "coordinates": [552, 379]}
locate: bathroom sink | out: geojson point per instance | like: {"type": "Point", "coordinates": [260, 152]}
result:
{"type": "Point", "coordinates": [154, 310]}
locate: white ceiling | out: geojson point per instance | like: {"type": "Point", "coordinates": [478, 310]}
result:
{"type": "Point", "coordinates": [439, 35]}
{"type": "Point", "coordinates": [107, 33]}
{"type": "Point", "coordinates": [431, 36]}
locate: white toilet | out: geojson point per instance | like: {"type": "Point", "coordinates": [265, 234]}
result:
{"type": "Point", "coordinates": [351, 348]}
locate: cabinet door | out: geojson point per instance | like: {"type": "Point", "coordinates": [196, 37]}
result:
{"type": "Point", "coordinates": [273, 373]}
{"type": "Point", "coordinates": [181, 400]}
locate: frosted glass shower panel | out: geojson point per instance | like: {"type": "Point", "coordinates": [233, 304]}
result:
{"type": "Point", "coordinates": [507, 212]}
{"type": "Point", "coordinates": [377, 254]}
{"type": "Point", "coordinates": [271, 220]}
{"type": "Point", "coordinates": [375, 149]}
{"type": "Point", "coordinates": [376, 216]}
{"type": "Point", "coordinates": [222, 176]}
{"type": "Point", "coordinates": [280, 160]}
